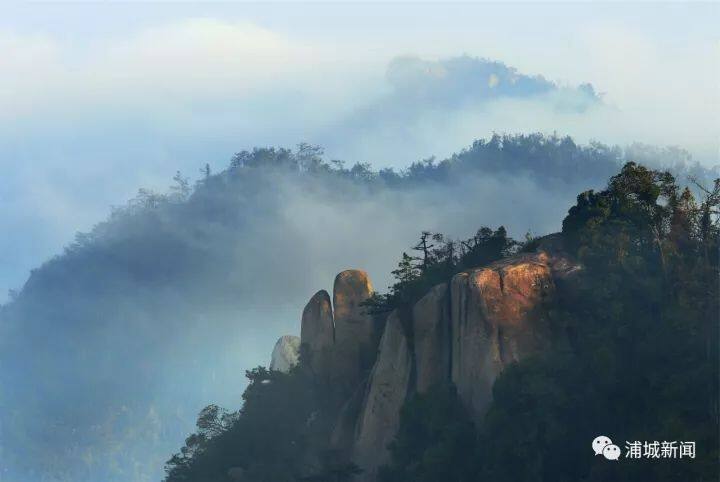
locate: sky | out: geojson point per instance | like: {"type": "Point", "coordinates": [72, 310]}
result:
{"type": "Point", "coordinates": [100, 99]}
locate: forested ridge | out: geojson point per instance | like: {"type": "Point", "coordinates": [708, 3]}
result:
{"type": "Point", "coordinates": [115, 318]}
{"type": "Point", "coordinates": [635, 354]}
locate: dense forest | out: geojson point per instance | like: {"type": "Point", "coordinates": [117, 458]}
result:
{"type": "Point", "coordinates": [129, 321]}
{"type": "Point", "coordinates": [635, 352]}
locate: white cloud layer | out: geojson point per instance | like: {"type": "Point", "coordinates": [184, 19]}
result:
{"type": "Point", "coordinates": [86, 119]}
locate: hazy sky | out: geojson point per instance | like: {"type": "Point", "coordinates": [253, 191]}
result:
{"type": "Point", "coordinates": [99, 99]}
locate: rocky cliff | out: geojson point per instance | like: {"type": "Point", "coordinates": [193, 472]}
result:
{"type": "Point", "coordinates": [317, 335]}
{"type": "Point", "coordinates": [465, 331]}
{"type": "Point", "coordinates": [355, 335]}
{"type": "Point", "coordinates": [387, 388]}
{"type": "Point", "coordinates": [285, 354]}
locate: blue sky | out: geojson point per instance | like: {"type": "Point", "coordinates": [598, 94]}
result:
{"type": "Point", "coordinates": [98, 99]}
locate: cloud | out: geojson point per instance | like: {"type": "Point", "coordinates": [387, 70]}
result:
{"type": "Point", "coordinates": [129, 107]}
{"type": "Point", "coordinates": [433, 107]}
{"type": "Point", "coordinates": [165, 64]}
{"type": "Point", "coordinates": [29, 63]}
{"type": "Point", "coordinates": [201, 56]}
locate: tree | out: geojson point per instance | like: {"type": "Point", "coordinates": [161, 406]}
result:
{"type": "Point", "coordinates": [407, 271]}
{"type": "Point", "coordinates": [309, 157]}
{"type": "Point", "coordinates": [436, 440]}
{"type": "Point", "coordinates": [635, 354]}
{"type": "Point", "coordinates": [205, 171]}
{"type": "Point", "coordinates": [638, 358]}
{"type": "Point", "coordinates": [266, 439]}
{"type": "Point", "coordinates": [441, 258]}
{"type": "Point", "coordinates": [181, 190]}
{"type": "Point", "coordinates": [426, 248]}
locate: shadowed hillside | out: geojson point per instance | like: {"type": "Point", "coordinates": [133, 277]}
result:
{"type": "Point", "coordinates": [487, 355]}
{"type": "Point", "coordinates": [119, 341]}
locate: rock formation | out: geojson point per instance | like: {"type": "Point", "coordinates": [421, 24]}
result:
{"type": "Point", "coordinates": [497, 318]}
{"type": "Point", "coordinates": [342, 438]}
{"type": "Point", "coordinates": [386, 392]}
{"type": "Point", "coordinates": [431, 328]}
{"type": "Point", "coordinates": [317, 334]}
{"type": "Point", "coordinates": [286, 354]}
{"type": "Point", "coordinates": [355, 345]}
{"type": "Point", "coordinates": [463, 332]}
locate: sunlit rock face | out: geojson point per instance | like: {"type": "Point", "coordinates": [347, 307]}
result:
{"type": "Point", "coordinates": [387, 389]}
{"type": "Point", "coordinates": [464, 332]}
{"type": "Point", "coordinates": [286, 354]}
{"type": "Point", "coordinates": [317, 334]}
{"type": "Point", "coordinates": [431, 328]}
{"type": "Point", "coordinates": [498, 317]}
{"type": "Point", "coordinates": [355, 345]}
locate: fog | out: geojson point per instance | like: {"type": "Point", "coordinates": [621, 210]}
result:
{"type": "Point", "coordinates": [97, 101]}
{"type": "Point", "coordinates": [110, 347]}
{"type": "Point", "coordinates": [118, 343]}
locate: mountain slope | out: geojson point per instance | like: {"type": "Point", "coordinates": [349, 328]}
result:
{"type": "Point", "coordinates": [119, 341]}
{"type": "Point", "coordinates": [608, 327]}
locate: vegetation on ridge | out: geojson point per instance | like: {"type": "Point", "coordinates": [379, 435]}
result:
{"type": "Point", "coordinates": [170, 269]}
{"type": "Point", "coordinates": [635, 359]}
{"type": "Point", "coordinates": [438, 259]}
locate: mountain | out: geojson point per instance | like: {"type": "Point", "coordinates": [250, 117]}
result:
{"type": "Point", "coordinates": [432, 106]}
{"type": "Point", "coordinates": [462, 332]}
{"type": "Point", "coordinates": [487, 354]}
{"type": "Point", "coordinates": [120, 340]}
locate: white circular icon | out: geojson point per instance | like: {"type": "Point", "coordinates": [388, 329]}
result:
{"type": "Point", "coordinates": [611, 452]}
{"type": "Point", "coordinates": [600, 443]}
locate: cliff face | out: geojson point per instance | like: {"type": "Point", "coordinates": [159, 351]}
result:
{"type": "Point", "coordinates": [286, 353]}
{"type": "Point", "coordinates": [387, 389]}
{"type": "Point", "coordinates": [317, 335]}
{"type": "Point", "coordinates": [354, 329]}
{"type": "Point", "coordinates": [431, 329]}
{"type": "Point", "coordinates": [465, 331]}
{"type": "Point", "coordinates": [498, 317]}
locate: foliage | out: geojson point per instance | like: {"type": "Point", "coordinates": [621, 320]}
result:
{"type": "Point", "coordinates": [436, 440]}
{"type": "Point", "coordinates": [334, 473]}
{"type": "Point", "coordinates": [438, 259]}
{"type": "Point", "coordinates": [264, 441]}
{"type": "Point", "coordinates": [638, 359]}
